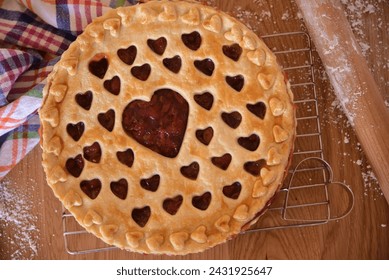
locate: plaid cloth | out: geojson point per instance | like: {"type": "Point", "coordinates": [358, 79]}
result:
{"type": "Point", "coordinates": [33, 35]}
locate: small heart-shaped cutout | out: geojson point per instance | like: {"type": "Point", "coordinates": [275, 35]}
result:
{"type": "Point", "coordinates": [254, 167]}
{"type": "Point", "coordinates": [158, 46]}
{"type": "Point", "coordinates": [233, 51]}
{"type": "Point", "coordinates": [107, 119]}
{"type": "Point", "coordinates": [75, 130]}
{"type": "Point", "coordinates": [205, 66]}
{"type": "Point", "coordinates": [191, 171]}
{"type": "Point", "coordinates": [84, 99]}
{"type": "Point", "coordinates": [205, 135]}
{"type": "Point", "coordinates": [91, 188]}
{"type": "Point", "coordinates": [127, 55]}
{"type": "Point", "coordinates": [232, 191]}
{"type": "Point", "coordinates": [205, 100]}
{"type": "Point", "coordinates": [159, 124]}
{"type": "Point", "coordinates": [93, 153]}
{"type": "Point", "coordinates": [250, 143]}
{"type": "Point", "coordinates": [232, 119]}
{"type": "Point", "coordinates": [202, 202]}
{"type": "Point", "coordinates": [99, 66]}
{"type": "Point", "coordinates": [141, 215]}
{"type": "Point", "coordinates": [171, 205]}
{"type": "Point", "coordinates": [258, 109]}
{"type": "Point", "coordinates": [222, 162]}
{"type": "Point", "coordinates": [141, 72]}
{"type": "Point", "coordinates": [151, 184]}
{"type": "Point", "coordinates": [126, 157]}
{"type": "Point", "coordinates": [236, 82]}
{"type": "Point", "coordinates": [192, 40]}
{"type": "Point", "coordinates": [75, 166]}
{"type": "Point", "coordinates": [113, 85]}
{"type": "Point", "coordinates": [173, 64]}
{"type": "Point", "coordinates": [120, 188]}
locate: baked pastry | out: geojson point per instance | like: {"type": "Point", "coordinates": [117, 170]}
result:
{"type": "Point", "coordinates": [167, 127]}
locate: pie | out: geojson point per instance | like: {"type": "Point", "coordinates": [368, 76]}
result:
{"type": "Point", "coordinates": [167, 127]}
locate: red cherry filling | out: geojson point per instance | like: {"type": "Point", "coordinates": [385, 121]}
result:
{"type": "Point", "coordinates": [159, 124]}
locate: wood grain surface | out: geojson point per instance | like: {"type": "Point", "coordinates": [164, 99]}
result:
{"type": "Point", "coordinates": [363, 234]}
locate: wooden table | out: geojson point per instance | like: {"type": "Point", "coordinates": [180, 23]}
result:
{"type": "Point", "coordinates": [363, 234]}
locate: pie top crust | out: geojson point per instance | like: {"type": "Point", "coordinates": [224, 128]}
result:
{"type": "Point", "coordinates": [167, 127]}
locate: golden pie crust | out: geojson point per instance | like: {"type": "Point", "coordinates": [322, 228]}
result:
{"type": "Point", "coordinates": [138, 220]}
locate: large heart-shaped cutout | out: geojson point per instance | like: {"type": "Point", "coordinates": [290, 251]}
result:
{"type": "Point", "coordinates": [160, 124]}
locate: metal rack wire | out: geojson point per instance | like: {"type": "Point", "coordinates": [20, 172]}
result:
{"type": "Point", "coordinates": [305, 198]}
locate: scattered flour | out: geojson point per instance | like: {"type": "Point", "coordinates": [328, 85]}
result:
{"type": "Point", "coordinates": [247, 17]}
{"type": "Point", "coordinates": [371, 186]}
{"type": "Point", "coordinates": [21, 239]}
{"type": "Point", "coordinates": [285, 15]}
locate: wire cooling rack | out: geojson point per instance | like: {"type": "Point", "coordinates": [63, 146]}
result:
{"type": "Point", "coordinates": [304, 200]}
